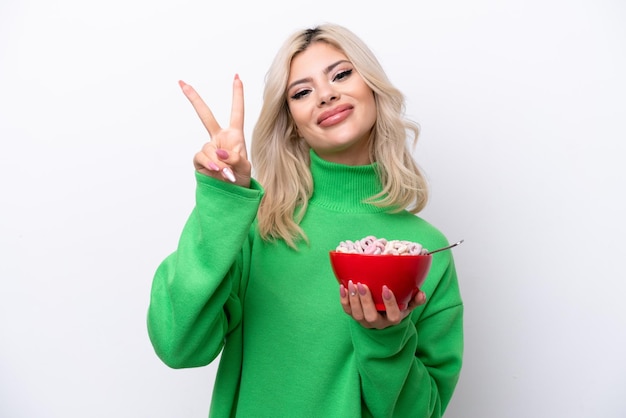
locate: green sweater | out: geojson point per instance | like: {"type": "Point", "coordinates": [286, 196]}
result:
{"type": "Point", "coordinates": [287, 348]}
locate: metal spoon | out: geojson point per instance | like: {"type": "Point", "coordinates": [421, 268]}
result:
{"type": "Point", "coordinates": [444, 248]}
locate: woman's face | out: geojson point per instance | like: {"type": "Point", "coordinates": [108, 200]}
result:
{"type": "Point", "coordinates": [332, 107]}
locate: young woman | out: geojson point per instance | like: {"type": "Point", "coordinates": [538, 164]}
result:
{"type": "Point", "coordinates": [251, 277]}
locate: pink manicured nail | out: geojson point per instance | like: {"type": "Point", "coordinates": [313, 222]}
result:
{"type": "Point", "coordinates": [386, 293]}
{"type": "Point", "coordinates": [351, 288]}
{"type": "Point", "coordinates": [213, 166]}
{"type": "Point", "coordinates": [342, 291]}
{"type": "Point", "coordinates": [221, 154]}
{"type": "Point", "coordinates": [228, 173]}
{"type": "Point", "coordinates": [362, 290]}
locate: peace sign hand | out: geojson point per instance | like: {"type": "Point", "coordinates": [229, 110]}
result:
{"type": "Point", "coordinates": [224, 157]}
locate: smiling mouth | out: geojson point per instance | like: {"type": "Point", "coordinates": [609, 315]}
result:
{"type": "Point", "coordinates": [334, 115]}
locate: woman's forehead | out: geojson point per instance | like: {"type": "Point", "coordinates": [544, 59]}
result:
{"type": "Point", "coordinates": [315, 59]}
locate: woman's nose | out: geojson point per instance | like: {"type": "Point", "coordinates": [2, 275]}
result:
{"type": "Point", "coordinates": [327, 95]}
{"type": "Point", "coordinates": [327, 99]}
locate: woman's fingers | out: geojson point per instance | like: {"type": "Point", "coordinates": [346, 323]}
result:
{"type": "Point", "coordinates": [370, 314]}
{"type": "Point", "coordinates": [237, 107]}
{"type": "Point", "coordinates": [418, 300]}
{"type": "Point", "coordinates": [356, 301]}
{"type": "Point", "coordinates": [225, 156]}
{"type": "Point", "coordinates": [394, 315]}
{"type": "Point", "coordinates": [201, 108]}
{"type": "Point", "coordinates": [203, 163]}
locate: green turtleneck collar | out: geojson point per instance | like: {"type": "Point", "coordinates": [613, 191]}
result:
{"type": "Point", "coordinates": [344, 188]}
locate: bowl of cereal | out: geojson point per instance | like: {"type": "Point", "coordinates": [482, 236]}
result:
{"type": "Point", "coordinates": [375, 262]}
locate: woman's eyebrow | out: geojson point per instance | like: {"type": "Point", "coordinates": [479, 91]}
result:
{"type": "Point", "coordinates": [308, 79]}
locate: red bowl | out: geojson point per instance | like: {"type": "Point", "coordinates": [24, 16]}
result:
{"type": "Point", "coordinates": [403, 274]}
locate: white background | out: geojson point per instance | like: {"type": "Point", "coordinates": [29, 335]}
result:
{"type": "Point", "coordinates": [522, 107]}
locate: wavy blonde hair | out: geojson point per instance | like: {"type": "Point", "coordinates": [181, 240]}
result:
{"type": "Point", "coordinates": [281, 158]}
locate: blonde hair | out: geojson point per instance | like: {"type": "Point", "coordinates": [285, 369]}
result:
{"type": "Point", "coordinates": [281, 159]}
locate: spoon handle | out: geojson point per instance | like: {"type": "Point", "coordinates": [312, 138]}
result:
{"type": "Point", "coordinates": [444, 248]}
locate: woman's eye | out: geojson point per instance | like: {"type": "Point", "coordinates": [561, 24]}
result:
{"type": "Point", "coordinates": [342, 74]}
{"type": "Point", "coordinates": [300, 94]}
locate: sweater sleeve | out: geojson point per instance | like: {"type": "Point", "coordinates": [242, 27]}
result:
{"type": "Point", "coordinates": [411, 369]}
{"type": "Point", "coordinates": [194, 300]}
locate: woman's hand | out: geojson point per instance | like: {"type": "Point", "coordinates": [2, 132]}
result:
{"type": "Point", "coordinates": [224, 157]}
{"type": "Point", "coordinates": [358, 303]}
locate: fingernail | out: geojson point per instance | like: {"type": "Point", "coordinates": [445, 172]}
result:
{"type": "Point", "coordinates": [342, 291]}
{"type": "Point", "coordinates": [351, 288]}
{"type": "Point", "coordinates": [213, 166]}
{"type": "Point", "coordinates": [361, 288]}
{"type": "Point", "coordinates": [228, 173]}
{"type": "Point", "coordinates": [221, 154]}
{"type": "Point", "coordinates": [186, 88]}
{"type": "Point", "coordinates": [386, 293]}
